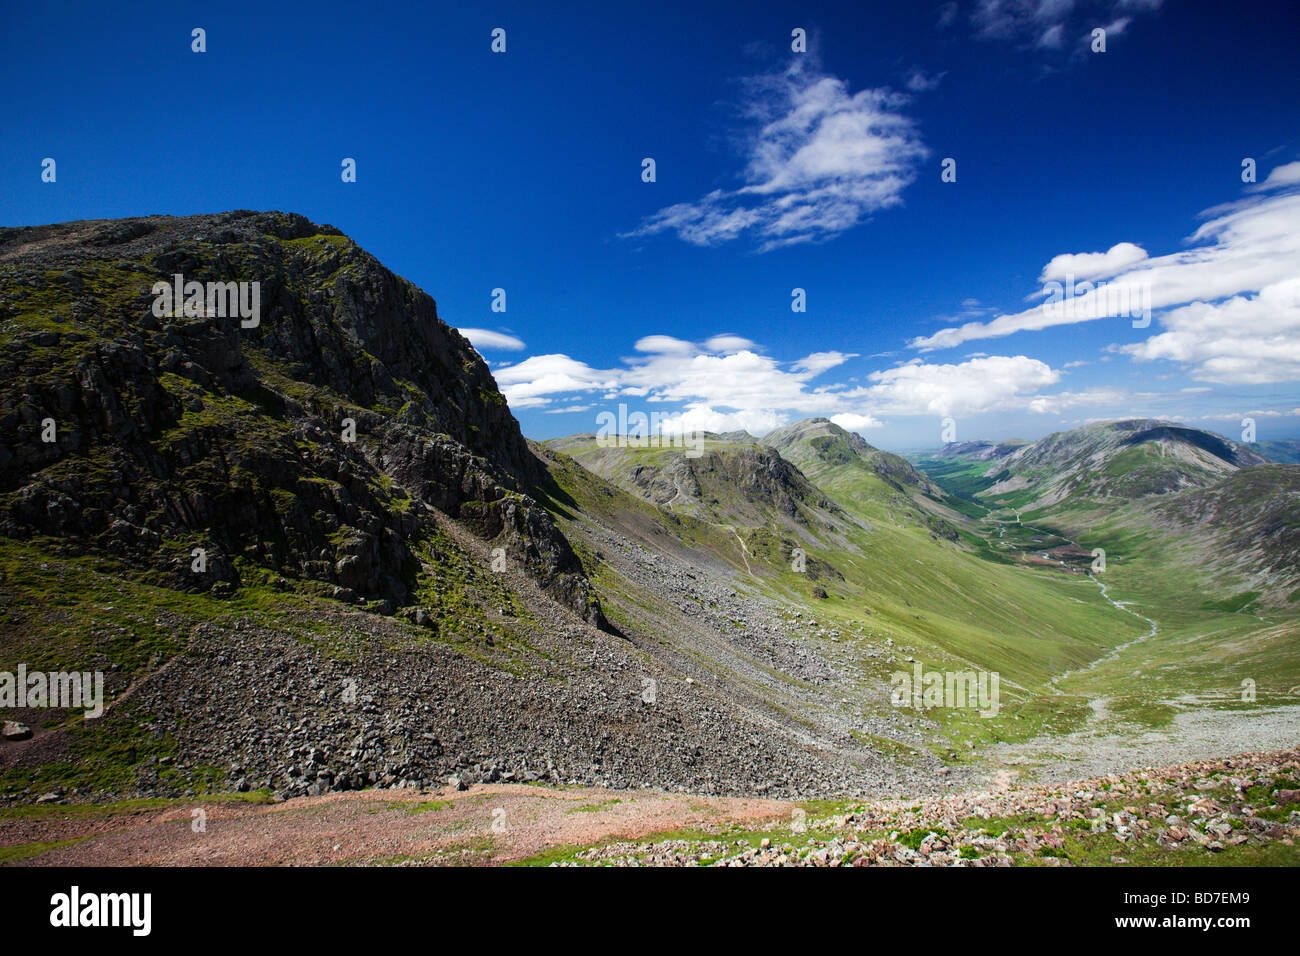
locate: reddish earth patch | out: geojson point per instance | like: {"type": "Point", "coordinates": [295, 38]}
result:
{"type": "Point", "coordinates": [488, 824]}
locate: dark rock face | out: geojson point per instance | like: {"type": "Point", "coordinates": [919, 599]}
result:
{"type": "Point", "coordinates": [1233, 454]}
{"type": "Point", "coordinates": [176, 433]}
{"type": "Point", "coordinates": [767, 477]}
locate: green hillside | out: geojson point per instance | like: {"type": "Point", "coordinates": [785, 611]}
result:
{"type": "Point", "coordinates": [897, 573]}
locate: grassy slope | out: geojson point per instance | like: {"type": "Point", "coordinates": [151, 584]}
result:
{"type": "Point", "coordinates": [967, 603]}
{"type": "Point", "coordinates": [888, 576]}
{"type": "Point", "coordinates": [1202, 648]}
{"type": "Point", "coordinates": [1212, 636]}
{"type": "Point", "coordinates": [65, 611]}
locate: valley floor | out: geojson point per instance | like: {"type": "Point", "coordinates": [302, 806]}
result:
{"type": "Point", "coordinates": [1236, 811]}
{"type": "Point", "coordinates": [1108, 745]}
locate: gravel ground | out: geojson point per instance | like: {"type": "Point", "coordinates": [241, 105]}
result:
{"type": "Point", "coordinates": [1106, 746]}
{"type": "Point", "coordinates": [1180, 815]}
{"type": "Point", "coordinates": [376, 704]}
{"type": "Point", "coordinates": [1189, 812]}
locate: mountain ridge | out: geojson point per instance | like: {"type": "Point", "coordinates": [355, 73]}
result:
{"type": "Point", "coordinates": [310, 445]}
{"type": "Point", "coordinates": [1124, 458]}
{"type": "Point", "coordinates": [562, 612]}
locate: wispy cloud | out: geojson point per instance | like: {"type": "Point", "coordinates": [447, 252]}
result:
{"type": "Point", "coordinates": [918, 81]}
{"type": "Point", "coordinates": [487, 339]}
{"type": "Point", "coordinates": [1053, 24]}
{"type": "Point", "coordinates": [1229, 304]}
{"type": "Point", "coordinates": [819, 160]}
{"type": "Point", "coordinates": [1285, 175]}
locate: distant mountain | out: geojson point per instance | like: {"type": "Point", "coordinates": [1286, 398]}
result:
{"type": "Point", "coordinates": [877, 487]}
{"type": "Point", "coordinates": [1123, 459]}
{"type": "Point", "coordinates": [1285, 451]}
{"type": "Point", "coordinates": [818, 444]}
{"type": "Point", "coordinates": [811, 474]}
{"type": "Point", "coordinates": [978, 450]}
{"type": "Point", "coordinates": [730, 478]}
{"type": "Point", "coordinates": [879, 546]}
{"type": "Point", "coordinates": [1246, 525]}
{"type": "Point", "coordinates": [1180, 497]}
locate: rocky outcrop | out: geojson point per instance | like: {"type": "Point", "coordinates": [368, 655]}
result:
{"type": "Point", "coordinates": [317, 443]}
{"type": "Point", "coordinates": [818, 443]}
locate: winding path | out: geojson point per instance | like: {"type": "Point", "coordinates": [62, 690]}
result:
{"type": "Point", "coordinates": [1120, 605]}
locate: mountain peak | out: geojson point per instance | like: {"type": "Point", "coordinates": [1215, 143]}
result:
{"type": "Point", "coordinates": [312, 438]}
{"type": "Point", "coordinates": [1128, 458]}
{"type": "Point", "coordinates": [811, 429]}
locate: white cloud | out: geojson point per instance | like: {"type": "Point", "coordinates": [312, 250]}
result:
{"type": "Point", "coordinates": [1051, 37]}
{"type": "Point", "coordinates": [1245, 340]}
{"type": "Point", "coordinates": [1286, 175]}
{"type": "Point", "coordinates": [728, 343]}
{"type": "Point", "coordinates": [736, 380]}
{"type": "Point", "coordinates": [1242, 250]}
{"type": "Point", "coordinates": [1260, 413]}
{"type": "Point", "coordinates": [1102, 395]}
{"type": "Point", "coordinates": [721, 390]}
{"type": "Point", "coordinates": [972, 387]}
{"type": "Point", "coordinates": [918, 81]}
{"type": "Point", "coordinates": [819, 362]}
{"type": "Point", "coordinates": [663, 343]}
{"type": "Point", "coordinates": [528, 383]}
{"type": "Point", "coordinates": [672, 370]}
{"type": "Point", "coordinates": [1091, 265]}
{"type": "Point", "coordinates": [1014, 19]}
{"type": "Point", "coordinates": [1115, 27]}
{"type": "Point", "coordinates": [818, 162]}
{"type": "Point", "coordinates": [712, 390]}
{"type": "Point", "coordinates": [698, 417]}
{"type": "Point", "coordinates": [487, 339]}
{"type": "Point", "coordinates": [855, 423]}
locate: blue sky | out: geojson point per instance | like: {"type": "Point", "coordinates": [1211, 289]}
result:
{"type": "Point", "coordinates": [775, 170]}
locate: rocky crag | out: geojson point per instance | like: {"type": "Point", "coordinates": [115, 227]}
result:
{"type": "Point", "coordinates": [194, 432]}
